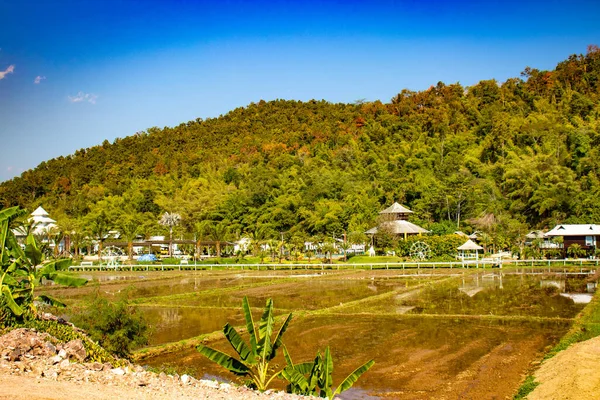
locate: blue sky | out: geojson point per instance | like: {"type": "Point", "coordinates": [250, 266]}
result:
{"type": "Point", "coordinates": [74, 73]}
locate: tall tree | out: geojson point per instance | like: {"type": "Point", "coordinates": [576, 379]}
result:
{"type": "Point", "coordinates": [170, 220]}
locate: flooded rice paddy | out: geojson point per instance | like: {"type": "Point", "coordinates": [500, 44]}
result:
{"type": "Point", "coordinates": [440, 334]}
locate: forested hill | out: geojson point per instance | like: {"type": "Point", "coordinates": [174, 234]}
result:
{"type": "Point", "coordinates": [495, 156]}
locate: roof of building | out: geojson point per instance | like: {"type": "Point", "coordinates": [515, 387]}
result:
{"type": "Point", "coordinates": [42, 219]}
{"type": "Point", "coordinates": [575, 230]}
{"type": "Point", "coordinates": [535, 235]}
{"type": "Point", "coordinates": [40, 212]}
{"type": "Point", "coordinates": [396, 209]}
{"type": "Point", "coordinates": [400, 227]}
{"type": "Point", "coordinates": [470, 245]}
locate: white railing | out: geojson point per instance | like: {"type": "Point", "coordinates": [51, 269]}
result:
{"type": "Point", "coordinates": [482, 263]}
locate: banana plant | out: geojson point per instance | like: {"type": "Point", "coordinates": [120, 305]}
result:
{"type": "Point", "coordinates": [315, 379]}
{"type": "Point", "coordinates": [254, 358]}
{"type": "Point", "coordinates": [22, 270]}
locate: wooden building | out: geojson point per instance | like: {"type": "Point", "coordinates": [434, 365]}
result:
{"type": "Point", "coordinates": [585, 235]}
{"type": "Point", "coordinates": [395, 220]}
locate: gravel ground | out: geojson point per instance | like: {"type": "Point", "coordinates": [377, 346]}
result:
{"type": "Point", "coordinates": [32, 367]}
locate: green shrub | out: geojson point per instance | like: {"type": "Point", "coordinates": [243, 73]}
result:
{"type": "Point", "coordinates": [116, 326]}
{"type": "Point", "coordinates": [527, 387]}
{"type": "Point", "coordinates": [444, 246]}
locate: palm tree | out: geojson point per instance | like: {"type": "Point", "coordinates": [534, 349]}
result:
{"type": "Point", "coordinates": [257, 239]}
{"type": "Point", "coordinates": [170, 220]}
{"type": "Point", "coordinates": [99, 227]}
{"type": "Point", "coordinates": [345, 246]}
{"type": "Point", "coordinates": [485, 240]}
{"type": "Point", "coordinates": [67, 226]}
{"type": "Point", "coordinates": [200, 229]}
{"type": "Point", "coordinates": [218, 232]}
{"type": "Point", "coordinates": [575, 250]}
{"type": "Point", "coordinates": [130, 227]}
{"type": "Point", "coordinates": [76, 238]}
{"type": "Point", "coordinates": [55, 235]}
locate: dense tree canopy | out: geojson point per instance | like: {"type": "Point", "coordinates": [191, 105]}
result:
{"type": "Point", "coordinates": [525, 152]}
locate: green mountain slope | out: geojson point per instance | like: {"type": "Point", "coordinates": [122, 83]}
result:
{"type": "Point", "coordinates": [502, 157]}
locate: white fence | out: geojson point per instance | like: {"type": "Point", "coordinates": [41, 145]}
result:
{"type": "Point", "coordinates": [365, 265]}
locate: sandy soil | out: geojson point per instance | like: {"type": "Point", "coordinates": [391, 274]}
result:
{"type": "Point", "coordinates": [573, 374]}
{"type": "Point", "coordinates": [26, 387]}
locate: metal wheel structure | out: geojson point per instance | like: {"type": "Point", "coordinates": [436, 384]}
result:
{"type": "Point", "coordinates": [111, 255]}
{"type": "Point", "coordinates": [420, 251]}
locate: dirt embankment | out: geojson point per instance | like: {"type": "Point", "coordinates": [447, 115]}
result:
{"type": "Point", "coordinates": [573, 374]}
{"type": "Point", "coordinates": [34, 366]}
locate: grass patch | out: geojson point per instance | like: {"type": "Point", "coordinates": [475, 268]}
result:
{"type": "Point", "coordinates": [374, 260]}
{"type": "Point", "coordinates": [586, 326]}
{"type": "Point", "coordinates": [526, 388]}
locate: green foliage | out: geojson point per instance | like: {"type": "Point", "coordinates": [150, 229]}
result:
{"type": "Point", "coordinates": [526, 151]}
{"type": "Point", "coordinates": [315, 379]}
{"type": "Point", "coordinates": [586, 326]}
{"type": "Point", "coordinates": [439, 246]}
{"type": "Point", "coordinates": [527, 387]}
{"type": "Point", "coordinates": [171, 261]}
{"type": "Point", "coordinates": [117, 326]}
{"type": "Point", "coordinates": [254, 358]}
{"type": "Point", "coordinates": [575, 250]}
{"type": "Point", "coordinates": [23, 269]}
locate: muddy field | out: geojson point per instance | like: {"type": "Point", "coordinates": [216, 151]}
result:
{"type": "Point", "coordinates": [442, 334]}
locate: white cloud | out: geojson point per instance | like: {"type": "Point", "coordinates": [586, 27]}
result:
{"type": "Point", "coordinates": [80, 96]}
{"type": "Point", "coordinates": [8, 70]}
{"type": "Point", "coordinates": [8, 169]}
{"type": "Point", "coordinates": [38, 79]}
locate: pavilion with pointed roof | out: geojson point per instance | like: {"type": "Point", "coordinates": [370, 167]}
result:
{"type": "Point", "coordinates": [396, 221]}
{"type": "Point", "coordinates": [41, 220]}
{"type": "Point", "coordinates": [466, 250]}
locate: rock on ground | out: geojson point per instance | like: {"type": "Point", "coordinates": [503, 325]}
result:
{"type": "Point", "coordinates": [34, 365]}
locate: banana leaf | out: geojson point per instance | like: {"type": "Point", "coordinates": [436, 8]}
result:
{"type": "Point", "coordinates": [10, 301]}
{"type": "Point", "coordinates": [250, 326]}
{"type": "Point", "coordinates": [298, 381]}
{"type": "Point", "coordinates": [353, 377]}
{"type": "Point", "coordinates": [288, 358]}
{"type": "Point", "coordinates": [265, 329]}
{"type": "Point", "coordinates": [304, 368]}
{"type": "Point", "coordinates": [8, 213]}
{"type": "Point", "coordinates": [224, 360]}
{"type": "Point", "coordinates": [325, 381]}
{"type": "Point", "coordinates": [238, 344]}
{"type": "Point", "coordinates": [67, 280]}
{"type": "Point", "coordinates": [14, 248]}
{"type": "Point", "coordinates": [279, 338]}
{"type": "Point", "coordinates": [32, 252]}
{"type": "Point", "coordinates": [50, 301]}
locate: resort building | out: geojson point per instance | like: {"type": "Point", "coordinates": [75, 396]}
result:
{"type": "Point", "coordinates": [585, 235]}
{"type": "Point", "coordinates": [395, 220]}
{"type": "Point", "coordinates": [540, 239]}
{"type": "Point", "coordinates": [41, 221]}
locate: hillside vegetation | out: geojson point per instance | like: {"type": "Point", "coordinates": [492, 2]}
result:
{"type": "Point", "coordinates": [501, 157]}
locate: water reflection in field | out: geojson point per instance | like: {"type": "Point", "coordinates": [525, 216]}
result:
{"type": "Point", "coordinates": [415, 358]}
{"type": "Point", "coordinates": [444, 334]}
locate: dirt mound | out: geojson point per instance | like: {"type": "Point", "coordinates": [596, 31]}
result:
{"type": "Point", "coordinates": [573, 374]}
{"type": "Point", "coordinates": [52, 370]}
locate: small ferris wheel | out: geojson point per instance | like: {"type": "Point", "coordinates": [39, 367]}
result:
{"type": "Point", "coordinates": [420, 251]}
{"type": "Point", "coordinates": [112, 255]}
